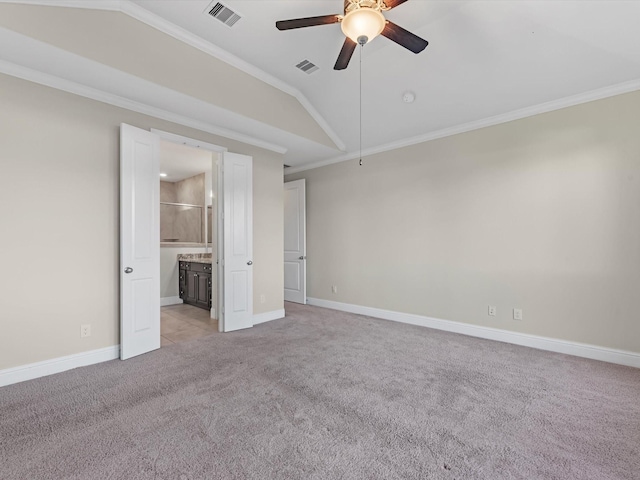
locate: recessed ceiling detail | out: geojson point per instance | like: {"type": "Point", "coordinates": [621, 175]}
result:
{"type": "Point", "coordinates": [307, 67]}
{"type": "Point", "coordinates": [223, 13]}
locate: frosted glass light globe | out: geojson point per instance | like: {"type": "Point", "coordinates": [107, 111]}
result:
{"type": "Point", "coordinates": [365, 22]}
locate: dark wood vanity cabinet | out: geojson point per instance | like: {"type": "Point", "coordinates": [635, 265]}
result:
{"type": "Point", "coordinates": [195, 283]}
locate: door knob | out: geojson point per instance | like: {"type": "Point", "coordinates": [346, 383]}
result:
{"type": "Point", "coordinates": [301, 257]}
{"type": "Point", "coordinates": [128, 270]}
{"type": "Point", "coordinates": [249, 262]}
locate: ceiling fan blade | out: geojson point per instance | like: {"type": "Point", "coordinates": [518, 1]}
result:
{"type": "Point", "coordinates": [393, 3]}
{"type": "Point", "coordinates": [404, 37]}
{"type": "Point", "coordinates": [307, 22]}
{"type": "Point", "coordinates": [348, 47]}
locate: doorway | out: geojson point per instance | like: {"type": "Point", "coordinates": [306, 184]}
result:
{"type": "Point", "coordinates": [188, 214]}
{"type": "Point", "coordinates": [295, 242]}
{"type": "Point", "coordinates": [231, 300]}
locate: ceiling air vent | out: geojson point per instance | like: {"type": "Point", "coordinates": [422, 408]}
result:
{"type": "Point", "coordinates": [307, 67]}
{"type": "Point", "coordinates": [224, 14]}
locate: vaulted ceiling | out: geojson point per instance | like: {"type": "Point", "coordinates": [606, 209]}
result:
{"type": "Point", "coordinates": [487, 62]}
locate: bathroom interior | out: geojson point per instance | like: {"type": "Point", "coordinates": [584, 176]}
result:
{"type": "Point", "coordinates": [188, 273]}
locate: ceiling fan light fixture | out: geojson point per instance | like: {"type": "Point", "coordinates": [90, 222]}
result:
{"type": "Point", "coordinates": [363, 22]}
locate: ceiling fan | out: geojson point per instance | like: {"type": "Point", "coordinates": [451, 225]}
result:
{"type": "Point", "coordinates": [362, 22]}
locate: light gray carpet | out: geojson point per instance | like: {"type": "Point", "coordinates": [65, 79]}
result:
{"type": "Point", "coordinates": [327, 395]}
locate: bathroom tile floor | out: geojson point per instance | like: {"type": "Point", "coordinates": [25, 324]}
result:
{"type": "Point", "coordinates": [185, 322]}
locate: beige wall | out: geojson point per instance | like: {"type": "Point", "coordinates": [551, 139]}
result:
{"type": "Point", "coordinates": [59, 201]}
{"type": "Point", "coordinates": [169, 271]}
{"type": "Point", "coordinates": [541, 214]}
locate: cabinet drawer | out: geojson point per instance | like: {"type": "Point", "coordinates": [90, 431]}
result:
{"type": "Point", "coordinates": [201, 267]}
{"type": "Point", "coordinates": [195, 266]}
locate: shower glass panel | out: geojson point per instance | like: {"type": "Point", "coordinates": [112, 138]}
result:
{"type": "Point", "coordinates": [181, 223]}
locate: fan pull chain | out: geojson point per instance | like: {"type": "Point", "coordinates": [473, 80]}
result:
{"type": "Point", "coordinates": [361, 48]}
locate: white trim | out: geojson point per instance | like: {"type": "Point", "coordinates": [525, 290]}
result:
{"type": "Point", "coordinates": [52, 81]}
{"type": "Point", "coordinates": [594, 352]}
{"type": "Point", "coordinates": [321, 121]}
{"type": "Point", "coordinates": [190, 142]}
{"type": "Point", "coordinates": [145, 16]}
{"type": "Point", "coordinates": [166, 301]}
{"type": "Point", "coordinates": [57, 365]}
{"type": "Point", "coordinates": [611, 91]}
{"type": "Point", "coordinates": [259, 318]}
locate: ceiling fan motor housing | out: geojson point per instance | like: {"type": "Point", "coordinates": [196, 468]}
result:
{"type": "Point", "coordinates": [350, 5]}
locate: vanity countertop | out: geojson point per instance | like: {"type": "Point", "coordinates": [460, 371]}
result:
{"type": "Point", "coordinates": [195, 258]}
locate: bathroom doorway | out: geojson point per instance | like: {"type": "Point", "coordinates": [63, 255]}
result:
{"type": "Point", "coordinates": [230, 299]}
{"type": "Point", "coordinates": [188, 232]}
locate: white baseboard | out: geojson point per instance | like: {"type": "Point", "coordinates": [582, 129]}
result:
{"type": "Point", "coordinates": [166, 301]}
{"type": "Point", "coordinates": [57, 365]}
{"type": "Point", "coordinates": [268, 316]}
{"type": "Point", "coordinates": [594, 352]}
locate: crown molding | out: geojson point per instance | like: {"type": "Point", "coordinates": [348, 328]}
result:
{"type": "Point", "coordinates": [41, 78]}
{"type": "Point", "coordinates": [590, 96]}
{"type": "Point", "coordinates": [135, 11]}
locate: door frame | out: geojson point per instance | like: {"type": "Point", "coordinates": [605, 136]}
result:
{"type": "Point", "coordinates": [301, 184]}
{"type": "Point", "coordinates": [139, 242]}
{"type": "Point", "coordinates": [217, 164]}
{"type": "Point", "coordinates": [236, 244]}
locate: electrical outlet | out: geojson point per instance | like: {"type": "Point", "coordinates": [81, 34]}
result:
{"type": "Point", "coordinates": [491, 311]}
{"type": "Point", "coordinates": [334, 289]}
{"type": "Point", "coordinates": [517, 314]}
{"type": "Point", "coordinates": [263, 298]}
{"type": "Point", "coordinates": [85, 331]}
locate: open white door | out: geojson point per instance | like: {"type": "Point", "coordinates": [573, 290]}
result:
{"type": "Point", "coordinates": [295, 242]}
{"type": "Point", "coordinates": [139, 242]}
{"type": "Point", "coordinates": [237, 276]}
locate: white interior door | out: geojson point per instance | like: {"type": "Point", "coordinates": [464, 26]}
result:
{"type": "Point", "coordinates": [139, 241]}
{"type": "Point", "coordinates": [237, 180]}
{"type": "Point", "coordinates": [295, 242]}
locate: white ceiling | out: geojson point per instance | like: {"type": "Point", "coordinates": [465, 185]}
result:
{"type": "Point", "coordinates": [180, 162]}
{"type": "Point", "coordinates": [487, 61]}
{"type": "Point", "coordinates": [485, 58]}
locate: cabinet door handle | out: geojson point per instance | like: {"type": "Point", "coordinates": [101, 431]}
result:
{"type": "Point", "coordinates": [128, 270]}
{"type": "Point", "coordinates": [195, 274]}
{"type": "Point", "coordinates": [249, 262]}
